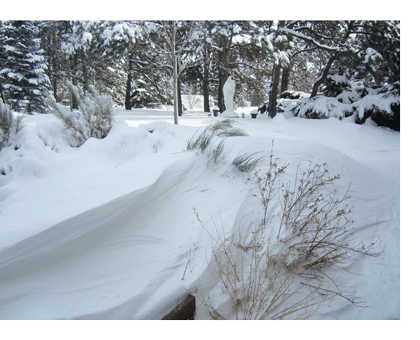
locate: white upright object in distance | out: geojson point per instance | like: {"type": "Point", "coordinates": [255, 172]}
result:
{"type": "Point", "coordinates": [228, 93]}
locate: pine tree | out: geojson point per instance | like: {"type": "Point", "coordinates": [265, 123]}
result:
{"type": "Point", "coordinates": [123, 42]}
{"type": "Point", "coordinates": [377, 52]}
{"type": "Point", "coordinates": [23, 79]}
{"type": "Point", "coordinates": [52, 33]}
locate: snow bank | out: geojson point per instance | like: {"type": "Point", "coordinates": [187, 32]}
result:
{"type": "Point", "coordinates": [109, 230]}
{"type": "Point", "coordinates": [229, 114]}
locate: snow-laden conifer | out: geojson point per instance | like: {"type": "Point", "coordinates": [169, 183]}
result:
{"type": "Point", "coordinates": [22, 75]}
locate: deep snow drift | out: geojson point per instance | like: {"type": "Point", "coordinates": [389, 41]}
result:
{"type": "Point", "coordinates": [108, 230]}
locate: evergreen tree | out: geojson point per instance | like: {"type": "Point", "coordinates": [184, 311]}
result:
{"type": "Point", "coordinates": [79, 47]}
{"type": "Point", "coordinates": [232, 50]}
{"type": "Point", "coordinates": [123, 40]}
{"type": "Point", "coordinates": [376, 52]}
{"type": "Point", "coordinates": [24, 82]}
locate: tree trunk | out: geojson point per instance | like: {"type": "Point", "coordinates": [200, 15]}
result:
{"type": "Point", "coordinates": [272, 98]}
{"type": "Point", "coordinates": [175, 89]}
{"type": "Point", "coordinates": [330, 62]}
{"type": "Point", "coordinates": [85, 72]}
{"type": "Point", "coordinates": [223, 76]}
{"type": "Point", "coordinates": [285, 79]}
{"type": "Point", "coordinates": [179, 97]}
{"type": "Point", "coordinates": [274, 87]}
{"type": "Point", "coordinates": [73, 70]}
{"type": "Point", "coordinates": [221, 99]}
{"type": "Point", "coordinates": [206, 82]}
{"type": "Point", "coordinates": [52, 65]}
{"type": "Point", "coordinates": [175, 72]}
{"type": "Point", "coordinates": [323, 76]}
{"type": "Point", "coordinates": [54, 78]}
{"type": "Point", "coordinates": [129, 80]}
{"type": "Point", "coordinates": [3, 98]}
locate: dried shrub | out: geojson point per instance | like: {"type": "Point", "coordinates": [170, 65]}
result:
{"type": "Point", "coordinates": [289, 265]}
{"type": "Point", "coordinates": [316, 225]}
{"type": "Point", "coordinates": [266, 183]}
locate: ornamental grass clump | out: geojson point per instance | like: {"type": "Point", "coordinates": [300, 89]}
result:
{"type": "Point", "coordinates": [245, 162]}
{"type": "Point", "coordinates": [225, 128]}
{"type": "Point", "coordinates": [201, 142]}
{"type": "Point", "coordinates": [204, 142]}
{"type": "Point", "coordinates": [94, 118]}
{"type": "Point", "coordinates": [9, 124]}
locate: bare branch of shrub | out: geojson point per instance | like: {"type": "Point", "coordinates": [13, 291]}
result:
{"type": "Point", "coordinates": [266, 183]}
{"type": "Point", "coordinates": [287, 268]}
{"type": "Point", "coordinates": [257, 287]}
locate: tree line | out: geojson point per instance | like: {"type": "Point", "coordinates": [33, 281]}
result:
{"type": "Point", "coordinates": [150, 63]}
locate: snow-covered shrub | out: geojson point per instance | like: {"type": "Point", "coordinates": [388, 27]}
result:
{"type": "Point", "coordinates": [344, 98]}
{"type": "Point", "coordinates": [292, 95]}
{"type": "Point", "coordinates": [288, 100]}
{"type": "Point", "coordinates": [339, 94]}
{"type": "Point", "coordinates": [335, 85]}
{"type": "Point", "coordinates": [287, 265]}
{"type": "Point", "coordinates": [262, 108]}
{"type": "Point", "coordinates": [141, 98]}
{"type": "Point", "coordinates": [321, 108]}
{"type": "Point", "coordinates": [382, 105]}
{"type": "Point", "coordinates": [9, 124]}
{"type": "Point", "coordinates": [94, 117]}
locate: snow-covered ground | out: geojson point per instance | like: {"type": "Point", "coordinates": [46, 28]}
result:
{"type": "Point", "coordinates": [109, 231]}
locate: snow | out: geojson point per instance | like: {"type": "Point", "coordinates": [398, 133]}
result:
{"type": "Point", "coordinates": [338, 78]}
{"type": "Point", "coordinates": [371, 54]}
{"type": "Point", "coordinates": [324, 107]}
{"type": "Point", "coordinates": [381, 101]}
{"type": "Point", "coordinates": [229, 114]}
{"type": "Point", "coordinates": [109, 231]}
